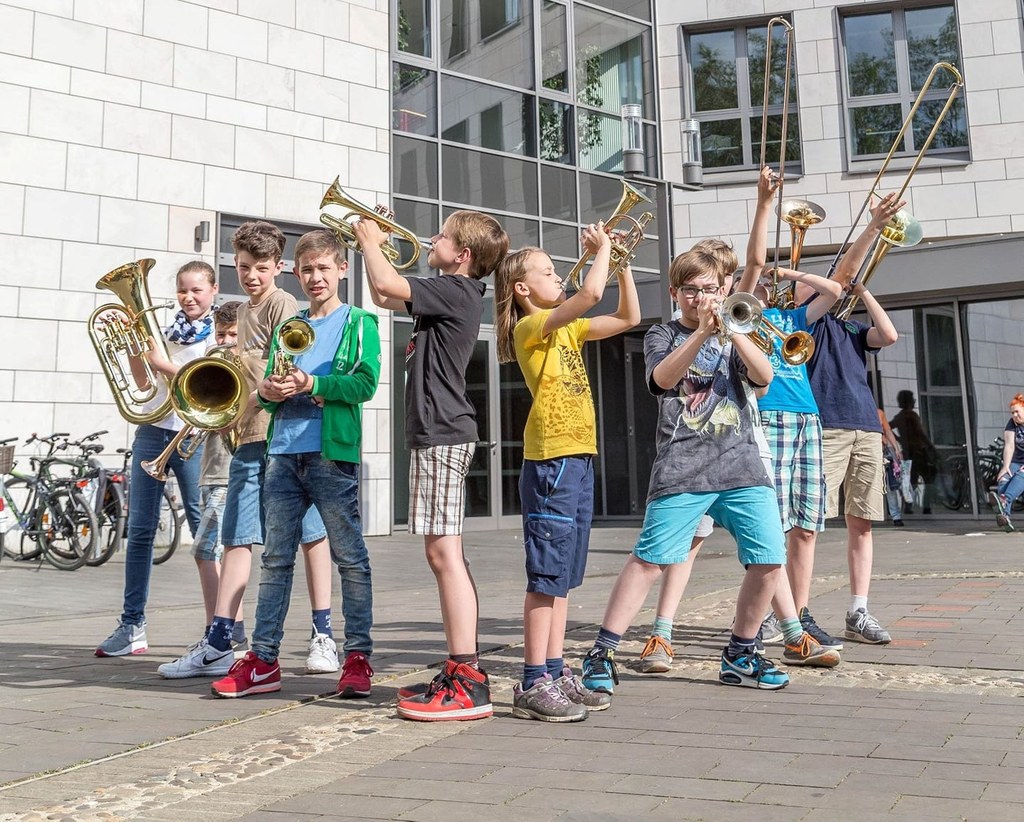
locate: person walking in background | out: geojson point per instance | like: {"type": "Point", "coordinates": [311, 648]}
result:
{"type": "Point", "coordinates": [893, 471]}
{"type": "Point", "coordinates": [1010, 482]}
{"type": "Point", "coordinates": [917, 449]}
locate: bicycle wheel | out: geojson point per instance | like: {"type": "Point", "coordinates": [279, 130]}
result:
{"type": "Point", "coordinates": [168, 530]}
{"type": "Point", "coordinates": [21, 541]}
{"type": "Point", "coordinates": [110, 524]}
{"type": "Point", "coordinates": [68, 529]}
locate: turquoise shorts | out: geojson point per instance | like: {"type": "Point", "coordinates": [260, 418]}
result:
{"type": "Point", "coordinates": [750, 514]}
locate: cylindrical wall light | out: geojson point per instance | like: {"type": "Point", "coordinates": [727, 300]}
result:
{"type": "Point", "coordinates": [689, 138]}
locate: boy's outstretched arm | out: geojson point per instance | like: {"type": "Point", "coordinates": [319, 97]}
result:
{"type": "Point", "coordinates": [388, 288]}
{"type": "Point", "coordinates": [882, 332]}
{"type": "Point", "coordinates": [828, 291]}
{"type": "Point", "coordinates": [757, 246]}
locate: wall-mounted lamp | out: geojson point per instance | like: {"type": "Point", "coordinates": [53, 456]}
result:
{"type": "Point", "coordinates": [689, 138]}
{"type": "Point", "coordinates": [633, 140]}
{"type": "Point", "coordinates": [202, 232]}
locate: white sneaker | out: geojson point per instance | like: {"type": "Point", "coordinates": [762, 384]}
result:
{"type": "Point", "coordinates": [323, 655]}
{"type": "Point", "coordinates": [199, 660]}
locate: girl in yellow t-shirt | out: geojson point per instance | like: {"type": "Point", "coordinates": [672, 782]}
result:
{"type": "Point", "coordinates": [544, 331]}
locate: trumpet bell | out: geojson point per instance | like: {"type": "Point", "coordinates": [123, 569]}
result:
{"type": "Point", "coordinates": [740, 313]}
{"type": "Point", "coordinates": [296, 336]}
{"type": "Point", "coordinates": [209, 393]}
{"type": "Point", "coordinates": [622, 251]}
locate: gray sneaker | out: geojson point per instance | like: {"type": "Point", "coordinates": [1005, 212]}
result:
{"type": "Point", "coordinates": [862, 627]}
{"type": "Point", "coordinates": [546, 702]}
{"type": "Point", "coordinates": [126, 639]}
{"type": "Point", "coordinates": [200, 659]}
{"type": "Point", "coordinates": [575, 691]}
{"type": "Point", "coordinates": [656, 657]}
{"type": "Point", "coordinates": [771, 630]}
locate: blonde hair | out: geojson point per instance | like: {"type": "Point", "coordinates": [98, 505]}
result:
{"type": "Point", "coordinates": [507, 311]}
{"type": "Point", "coordinates": [482, 235]}
{"type": "Point", "coordinates": [199, 267]}
{"type": "Point", "coordinates": [317, 242]}
{"type": "Point", "coordinates": [723, 252]}
{"type": "Point", "coordinates": [697, 262]}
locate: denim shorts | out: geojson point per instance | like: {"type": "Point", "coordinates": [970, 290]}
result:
{"type": "Point", "coordinates": [244, 522]}
{"type": "Point", "coordinates": [558, 505]}
{"type": "Point", "coordinates": [750, 514]}
{"type": "Point", "coordinates": [206, 544]}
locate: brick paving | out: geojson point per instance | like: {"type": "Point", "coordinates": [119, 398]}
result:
{"type": "Point", "coordinates": [929, 727]}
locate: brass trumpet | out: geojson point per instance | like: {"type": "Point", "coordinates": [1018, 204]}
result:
{"type": "Point", "coordinates": [342, 227]}
{"type": "Point", "coordinates": [294, 337]}
{"type": "Point", "coordinates": [208, 394]}
{"type": "Point", "coordinates": [798, 214]}
{"type": "Point", "coordinates": [624, 249]}
{"type": "Point", "coordinates": [742, 314]}
{"type": "Point", "coordinates": [903, 229]}
{"type": "Point", "coordinates": [121, 333]}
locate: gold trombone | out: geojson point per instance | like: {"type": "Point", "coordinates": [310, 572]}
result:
{"type": "Point", "coordinates": [741, 313]}
{"type": "Point", "coordinates": [903, 228]}
{"type": "Point", "coordinates": [798, 214]}
{"type": "Point", "coordinates": [384, 217]}
{"type": "Point", "coordinates": [623, 247]}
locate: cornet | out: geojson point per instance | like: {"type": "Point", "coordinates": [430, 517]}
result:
{"type": "Point", "coordinates": [623, 249]}
{"type": "Point", "coordinates": [342, 227]}
{"type": "Point", "coordinates": [742, 314]}
{"type": "Point", "coordinates": [294, 337]}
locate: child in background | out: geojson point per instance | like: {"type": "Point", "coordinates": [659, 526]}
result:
{"type": "Point", "coordinates": [545, 333]}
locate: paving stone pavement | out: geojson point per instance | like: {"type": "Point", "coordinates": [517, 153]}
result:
{"type": "Point", "coordinates": [928, 727]}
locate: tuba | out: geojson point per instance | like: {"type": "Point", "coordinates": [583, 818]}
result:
{"type": "Point", "coordinates": [121, 333]}
{"type": "Point", "coordinates": [742, 314]}
{"type": "Point", "coordinates": [336, 195]}
{"type": "Point", "coordinates": [294, 337]}
{"type": "Point", "coordinates": [623, 249]}
{"type": "Point", "coordinates": [208, 394]}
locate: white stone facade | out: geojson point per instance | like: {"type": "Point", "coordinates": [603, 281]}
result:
{"type": "Point", "coordinates": [126, 124]}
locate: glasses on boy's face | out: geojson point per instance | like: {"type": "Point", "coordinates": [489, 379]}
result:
{"type": "Point", "coordinates": [690, 292]}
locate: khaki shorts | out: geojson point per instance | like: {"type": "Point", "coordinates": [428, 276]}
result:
{"type": "Point", "coordinates": [853, 460]}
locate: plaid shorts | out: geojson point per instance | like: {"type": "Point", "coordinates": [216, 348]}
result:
{"type": "Point", "coordinates": [795, 441]}
{"type": "Point", "coordinates": [437, 488]}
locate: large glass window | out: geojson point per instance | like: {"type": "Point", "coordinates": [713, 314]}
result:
{"type": "Point", "coordinates": [490, 39]}
{"type": "Point", "coordinates": [489, 181]}
{"type": "Point", "coordinates": [414, 100]}
{"type": "Point", "coordinates": [888, 57]}
{"type": "Point", "coordinates": [414, 32]}
{"type": "Point", "coordinates": [727, 74]}
{"type": "Point", "coordinates": [486, 116]}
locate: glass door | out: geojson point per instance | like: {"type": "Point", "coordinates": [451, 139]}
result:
{"type": "Point", "coordinates": [483, 485]}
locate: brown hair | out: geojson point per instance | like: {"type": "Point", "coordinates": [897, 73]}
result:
{"type": "Point", "coordinates": [317, 242]}
{"type": "Point", "coordinates": [260, 239]}
{"type": "Point", "coordinates": [723, 252]}
{"type": "Point", "coordinates": [697, 262]}
{"type": "Point", "coordinates": [1018, 399]}
{"type": "Point", "coordinates": [200, 267]}
{"type": "Point", "coordinates": [507, 311]}
{"type": "Point", "coordinates": [482, 235]}
{"type": "Point", "coordinates": [226, 314]}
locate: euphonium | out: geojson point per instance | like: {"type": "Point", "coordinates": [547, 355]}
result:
{"type": "Point", "coordinates": [742, 314]}
{"type": "Point", "coordinates": [336, 195]}
{"type": "Point", "coordinates": [208, 394]}
{"type": "Point", "coordinates": [121, 333]}
{"type": "Point", "coordinates": [294, 337]}
{"type": "Point", "coordinates": [623, 249]}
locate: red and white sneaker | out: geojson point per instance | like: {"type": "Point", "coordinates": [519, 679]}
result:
{"type": "Point", "coordinates": [355, 676]}
{"type": "Point", "coordinates": [460, 691]}
{"type": "Point", "coordinates": [420, 688]}
{"type": "Point", "coordinates": [249, 675]}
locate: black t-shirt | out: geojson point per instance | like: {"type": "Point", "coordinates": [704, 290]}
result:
{"type": "Point", "coordinates": [1018, 441]}
{"type": "Point", "coordinates": [447, 313]}
{"type": "Point", "coordinates": [838, 375]}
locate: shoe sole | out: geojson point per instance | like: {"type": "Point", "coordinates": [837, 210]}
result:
{"type": "Point", "coordinates": [773, 640]}
{"type": "Point", "coordinates": [255, 689]}
{"type": "Point", "coordinates": [412, 691]}
{"type": "Point", "coordinates": [132, 651]}
{"type": "Point", "coordinates": [826, 660]}
{"type": "Point", "coordinates": [653, 667]}
{"type": "Point", "coordinates": [352, 693]}
{"type": "Point", "coordinates": [728, 678]}
{"type": "Point", "coordinates": [853, 636]}
{"type": "Point", "coordinates": [478, 712]}
{"type": "Point", "coordinates": [192, 674]}
{"type": "Point", "coordinates": [313, 669]}
{"type": "Point", "coordinates": [526, 713]}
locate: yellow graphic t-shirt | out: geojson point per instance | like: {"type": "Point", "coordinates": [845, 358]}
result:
{"type": "Point", "coordinates": [561, 420]}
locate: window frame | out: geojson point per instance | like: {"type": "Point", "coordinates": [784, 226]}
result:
{"type": "Point", "coordinates": [745, 110]}
{"type": "Point", "coordinates": [904, 96]}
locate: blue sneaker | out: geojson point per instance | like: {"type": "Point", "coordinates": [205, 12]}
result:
{"type": "Point", "coordinates": [752, 671]}
{"type": "Point", "coordinates": [599, 671]}
{"type": "Point", "coordinates": [126, 640]}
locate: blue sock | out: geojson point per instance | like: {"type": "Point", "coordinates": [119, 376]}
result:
{"type": "Point", "coordinates": [220, 633]}
{"type": "Point", "coordinates": [238, 632]}
{"type": "Point", "coordinates": [607, 639]}
{"type": "Point", "coordinates": [739, 646]}
{"type": "Point", "coordinates": [663, 628]}
{"type": "Point", "coordinates": [554, 667]}
{"type": "Point", "coordinates": [322, 622]}
{"type": "Point", "coordinates": [531, 673]}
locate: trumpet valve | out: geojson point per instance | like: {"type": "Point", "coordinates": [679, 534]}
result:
{"type": "Point", "coordinates": [385, 212]}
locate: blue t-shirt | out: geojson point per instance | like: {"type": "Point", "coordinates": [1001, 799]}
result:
{"type": "Point", "coordinates": [839, 377]}
{"type": "Point", "coordinates": [790, 389]}
{"type": "Point", "coordinates": [297, 421]}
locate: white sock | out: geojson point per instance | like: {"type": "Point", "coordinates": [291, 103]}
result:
{"type": "Point", "coordinates": [858, 602]}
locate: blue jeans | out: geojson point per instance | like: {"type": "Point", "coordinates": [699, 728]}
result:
{"type": "Point", "coordinates": [293, 483]}
{"type": "Point", "coordinates": [144, 513]}
{"type": "Point", "coordinates": [1013, 486]}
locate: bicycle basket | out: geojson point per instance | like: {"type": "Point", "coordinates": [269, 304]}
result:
{"type": "Point", "coordinates": [6, 458]}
